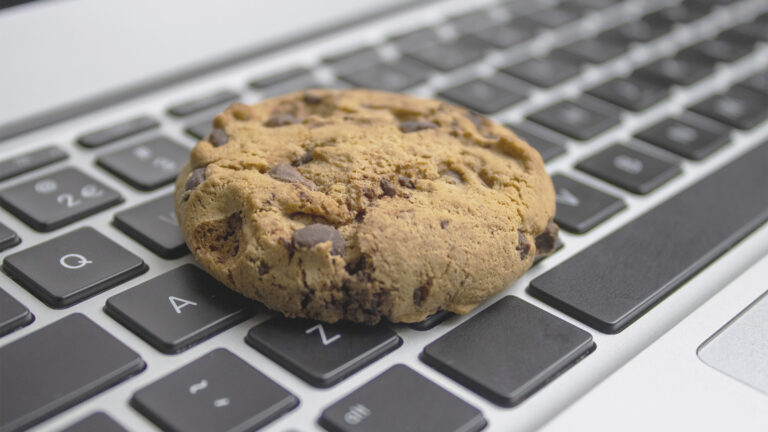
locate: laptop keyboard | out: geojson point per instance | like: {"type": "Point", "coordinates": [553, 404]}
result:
{"type": "Point", "coordinates": [588, 83]}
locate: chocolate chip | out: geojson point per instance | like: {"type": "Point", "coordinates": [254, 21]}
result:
{"type": "Point", "coordinates": [278, 120]}
{"type": "Point", "coordinates": [420, 294]}
{"type": "Point", "coordinates": [304, 159]}
{"type": "Point", "coordinates": [523, 245]}
{"type": "Point", "coordinates": [406, 182]}
{"type": "Point", "coordinates": [454, 177]}
{"type": "Point", "coordinates": [218, 137]}
{"type": "Point", "coordinates": [289, 174]}
{"type": "Point", "coordinates": [387, 187]}
{"type": "Point", "coordinates": [415, 126]}
{"type": "Point", "coordinates": [547, 241]}
{"type": "Point", "coordinates": [444, 224]}
{"type": "Point", "coordinates": [369, 193]}
{"type": "Point", "coordinates": [314, 234]}
{"type": "Point", "coordinates": [312, 99]}
{"type": "Point", "coordinates": [194, 179]}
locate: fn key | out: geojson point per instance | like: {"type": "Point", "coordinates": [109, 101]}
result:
{"type": "Point", "coordinates": [399, 400]}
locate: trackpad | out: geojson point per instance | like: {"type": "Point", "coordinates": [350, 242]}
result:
{"type": "Point", "coordinates": [740, 348]}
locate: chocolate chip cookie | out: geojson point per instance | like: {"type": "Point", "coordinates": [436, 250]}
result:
{"type": "Point", "coordinates": [362, 205]}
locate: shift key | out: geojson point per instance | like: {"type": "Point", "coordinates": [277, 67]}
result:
{"type": "Point", "coordinates": [616, 280]}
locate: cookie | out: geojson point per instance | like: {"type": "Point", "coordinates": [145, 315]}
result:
{"type": "Point", "coordinates": [363, 205]}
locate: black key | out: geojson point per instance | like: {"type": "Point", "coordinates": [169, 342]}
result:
{"type": "Point", "coordinates": [58, 199]}
{"type": "Point", "coordinates": [117, 132]}
{"type": "Point", "coordinates": [675, 71]}
{"type": "Point", "coordinates": [200, 130]}
{"type": "Point", "coordinates": [396, 76]}
{"type": "Point", "coordinates": [148, 165]}
{"type": "Point", "coordinates": [322, 354]}
{"type": "Point", "coordinates": [8, 238]}
{"type": "Point", "coordinates": [472, 21]}
{"type": "Point", "coordinates": [689, 136]}
{"type": "Point", "coordinates": [580, 207]}
{"type": "Point", "coordinates": [576, 119]}
{"type": "Point", "coordinates": [58, 366]}
{"type": "Point", "coordinates": [680, 13]}
{"type": "Point", "coordinates": [280, 78]}
{"type": "Point", "coordinates": [639, 31]}
{"type": "Point", "coordinates": [451, 55]}
{"type": "Point", "coordinates": [27, 162]}
{"type": "Point", "coordinates": [73, 267]}
{"type": "Point", "coordinates": [431, 321]}
{"type": "Point", "coordinates": [355, 59]}
{"type": "Point", "coordinates": [597, 50]}
{"type": "Point", "coordinates": [505, 36]}
{"type": "Point", "coordinates": [594, 4]}
{"type": "Point", "coordinates": [630, 169]}
{"type": "Point", "coordinates": [716, 50]}
{"type": "Point", "coordinates": [483, 96]}
{"type": "Point", "coordinates": [632, 93]}
{"type": "Point", "coordinates": [203, 103]}
{"type": "Point", "coordinates": [178, 309]}
{"type": "Point", "coordinates": [616, 280]}
{"type": "Point", "coordinates": [508, 351]}
{"type": "Point", "coordinates": [544, 72]}
{"type": "Point", "coordinates": [752, 31]}
{"type": "Point", "coordinates": [154, 225]}
{"type": "Point", "coordinates": [739, 107]}
{"type": "Point", "coordinates": [557, 16]}
{"type": "Point", "coordinates": [547, 144]}
{"type": "Point", "coordinates": [401, 400]}
{"type": "Point", "coordinates": [416, 39]}
{"type": "Point", "coordinates": [758, 82]}
{"type": "Point", "coordinates": [13, 315]}
{"type": "Point", "coordinates": [217, 392]}
{"type": "Point", "coordinates": [96, 422]}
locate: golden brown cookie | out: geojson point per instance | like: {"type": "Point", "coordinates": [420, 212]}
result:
{"type": "Point", "coordinates": [363, 205]}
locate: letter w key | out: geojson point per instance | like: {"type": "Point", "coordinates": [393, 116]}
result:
{"type": "Point", "coordinates": [326, 341]}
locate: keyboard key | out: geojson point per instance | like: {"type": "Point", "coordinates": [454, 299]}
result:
{"type": "Point", "coordinates": [96, 422]}
{"type": "Point", "coordinates": [758, 82]}
{"type": "Point", "coordinates": [322, 354]}
{"type": "Point", "coordinates": [13, 315]}
{"type": "Point", "coordinates": [505, 36]}
{"type": "Point", "coordinates": [350, 60]}
{"type": "Point", "coordinates": [675, 71]}
{"type": "Point", "coordinates": [680, 13]}
{"type": "Point", "coordinates": [178, 309]}
{"type": "Point", "coordinates": [203, 103]}
{"type": "Point", "coordinates": [395, 77]}
{"type": "Point", "coordinates": [630, 169]}
{"type": "Point", "coordinates": [483, 96]}
{"type": "Point", "coordinates": [545, 143]}
{"type": "Point", "coordinates": [508, 351]}
{"type": "Point", "coordinates": [72, 267]}
{"type": "Point", "coordinates": [575, 119]}
{"type": "Point", "coordinates": [716, 50]}
{"type": "Point", "coordinates": [117, 132]}
{"type": "Point", "coordinates": [200, 130]}
{"type": "Point", "coordinates": [580, 207]}
{"type": "Point", "coordinates": [632, 93]}
{"type": "Point", "coordinates": [154, 225]}
{"type": "Point", "coordinates": [401, 400]}
{"type": "Point", "coordinates": [598, 50]}
{"type": "Point", "coordinates": [280, 77]}
{"type": "Point", "coordinates": [148, 165]}
{"type": "Point", "coordinates": [58, 199]}
{"type": "Point", "coordinates": [545, 71]}
{"type": "Point", "coordinates": [616, 280]}
{"type": "Point", "coordinates": [471, 21]}
{"type": "Point", "coordinates": [27, 162]}
{"type": "Point", "coordinates": [431, 321]}
{"type": "Point", "coordinates": [639, 31]}
{"type": "Point", "coordinates": [8, 238]}
{"type": "Point", "coordinates": [691, 137]}
{"type": "Point", "coordinates": [58, 366]}
{"type": "Point", "coordinates": [752, 31]}
{"type": "Point", "coordinates": [451, 55]}
{"type": "Point", "coordinates": [416, 39]}
{"type": "Point", "coordinates": [216, 392]}
{"type": "Point", "coordinates": [739, 107]}
{"type": "Point", "coordinates": [555, 17]}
